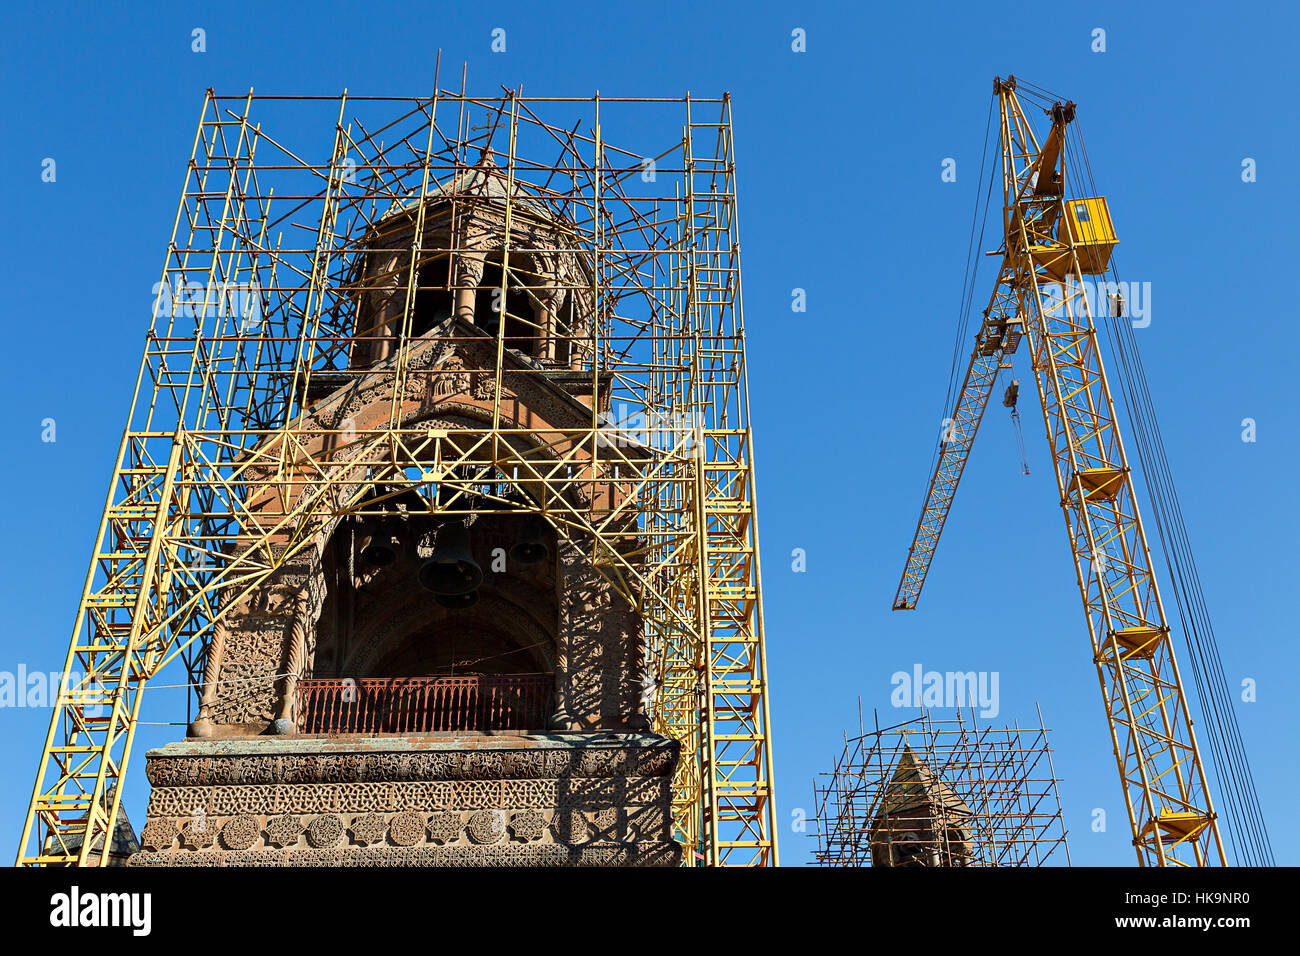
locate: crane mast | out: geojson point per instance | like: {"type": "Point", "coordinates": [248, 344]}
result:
{"type": "Point", "coordinates": [1050, 242]}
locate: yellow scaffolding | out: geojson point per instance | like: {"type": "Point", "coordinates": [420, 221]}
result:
{"type": "Point", "coordinates": [254, 318]}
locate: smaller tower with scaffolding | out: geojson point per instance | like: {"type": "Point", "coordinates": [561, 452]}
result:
{"type": "Point", "coordinates": [930, 792]}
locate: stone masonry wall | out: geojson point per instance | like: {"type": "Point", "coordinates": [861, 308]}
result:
{"type": "Point", "coordinates": [455, 800]}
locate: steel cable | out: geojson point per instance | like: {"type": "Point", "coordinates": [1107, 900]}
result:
{"type": "Point", "coordinates": [1248, 834]}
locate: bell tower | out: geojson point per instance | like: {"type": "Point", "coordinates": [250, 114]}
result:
{"type": "Point", "coordinates": [437, 499]}
{"type": "Point", "coordinates": [436, 676]}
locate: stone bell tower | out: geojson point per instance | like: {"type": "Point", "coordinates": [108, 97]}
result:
{"type": "Point", "coordinates": [436, 670]}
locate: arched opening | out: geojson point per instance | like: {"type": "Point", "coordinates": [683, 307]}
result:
{"type": "Point", "coordinates": [435, 301]}
{"type": "Point", "coordinates": [390, 658]}
{"type": "Point", "coordinates": [517, 307]}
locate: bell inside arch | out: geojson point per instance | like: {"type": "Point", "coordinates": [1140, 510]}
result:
{"type": "Point", "coordinates": [530, 548]}
{"type": "Point", "coordinates": [451, 569]}
{"type": "Point", "coordinates": [377, 541]}
{"type": "Point", "coordinates": [379, 535]}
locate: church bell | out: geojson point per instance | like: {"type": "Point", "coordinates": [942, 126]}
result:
{"type": "Point", "coordinates": [376, 541]}
{"type": "Point", "coordinates": [530, 548]}
{"type": "Point", "coordinates": [451, 569]}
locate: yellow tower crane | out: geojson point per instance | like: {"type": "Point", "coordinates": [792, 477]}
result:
{"type": "Point", "coordinates": [1051, 240]}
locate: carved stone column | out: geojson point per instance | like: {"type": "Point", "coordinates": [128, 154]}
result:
{"type": "Point", "coordinates": [548, 297]}
{"type": "Point", "coordinates": [469, 273]}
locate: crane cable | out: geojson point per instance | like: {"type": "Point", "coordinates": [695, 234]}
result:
{"type": "Point", "coordinates": [967, 288]}
{"type": "Point", "coordinates": [1248, 834]}
{"type": "Point", "coordinates": [1009, 399]}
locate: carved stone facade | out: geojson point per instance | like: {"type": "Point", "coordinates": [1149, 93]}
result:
{"type": "Point", "coordinates": [597, 641]}
{"type": "Point", "coordinates": [464, 800]}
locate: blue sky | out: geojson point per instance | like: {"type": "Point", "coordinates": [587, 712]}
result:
{"type": "Point", "coordinates": [839, 155]}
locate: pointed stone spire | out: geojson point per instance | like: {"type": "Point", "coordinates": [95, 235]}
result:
{"type": "Point", "coordinates": [920, 821]}
{"type": "Point", "coordinates": [124, 840]}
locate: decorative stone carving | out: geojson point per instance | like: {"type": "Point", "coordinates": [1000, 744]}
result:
{"type": "Point", "coordinates": [452, 377]}
{"type": "Point", "coordinates": [444, 827]}
{"type": "Point", "coordinates": [325, 831]}
{"type": "Point", "coordinates": [655, 762]}
{"type": "Point", "coordinates": [606, 822]}
{"type": "Point", "coordinates": [487, 826]}
{"type": "Point", "coordinates": [262, 857]}
{"type": "Point", "coordinates": [158, 835]}
{"type": "Point", "coordinates": [196, 833]}
{"type": "Point", "coordinates": [184, 767]}
{"type": "Point", "coordinates": [527, 825]}
{"type": "Point", "coordinates": [571, 826]}
{"type": "Point", "coordinates": [519, 800]}
{"type": "Point", "coordinates": [406, 829]}
{"type": "Point", "coordinates": [369, 828]}
{"type": "Point", "coordinates": [241, 832]}
{"type": "Point", "coordinates": [283, 830]}
{"type": "Point", "coordinates": [529, 855]}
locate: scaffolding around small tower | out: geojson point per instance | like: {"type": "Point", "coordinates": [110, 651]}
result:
{"type": "Point", "coordinates": [941, 792]}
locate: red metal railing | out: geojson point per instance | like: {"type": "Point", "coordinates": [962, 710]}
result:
{"type": "Point", "coordinates": [413, 705]}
